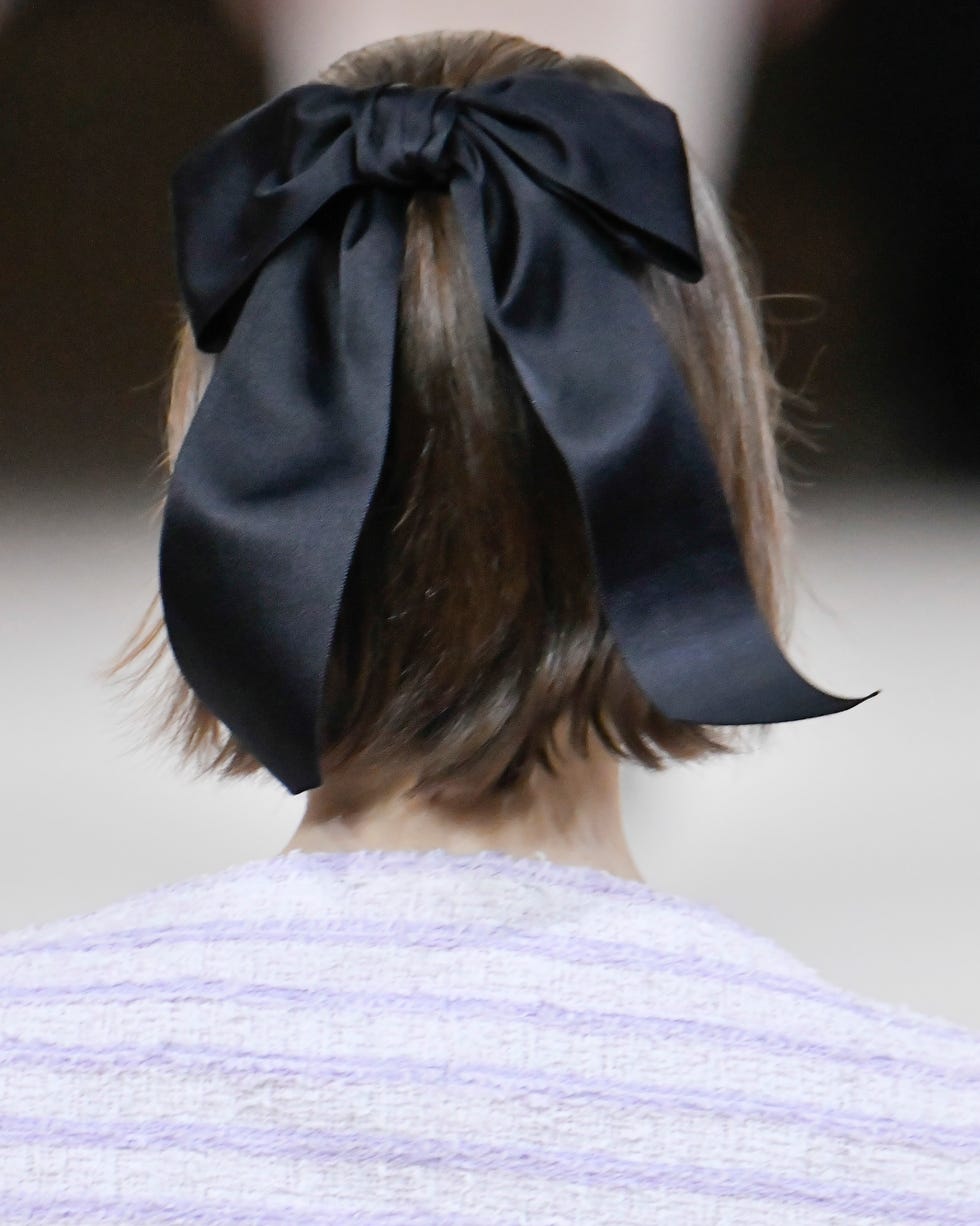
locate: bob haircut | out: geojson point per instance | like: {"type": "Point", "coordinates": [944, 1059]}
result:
{"type": "Point", "coordinates": [470, 624]}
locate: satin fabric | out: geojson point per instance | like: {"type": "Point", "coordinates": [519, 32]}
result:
{"type": "Point", "coordinates": [289, 232]}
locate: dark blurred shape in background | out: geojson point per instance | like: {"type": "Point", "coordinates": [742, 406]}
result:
{"type": "Point", "coordinates": [858, 182]}
{"type": "Point", "coordinates": [100, 99]}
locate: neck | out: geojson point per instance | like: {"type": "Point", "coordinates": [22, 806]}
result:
{"type": "Point", "coordinates": [571, 817]}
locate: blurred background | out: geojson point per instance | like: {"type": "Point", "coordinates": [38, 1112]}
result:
{"type": "Point", "coordinates": [846, 139]}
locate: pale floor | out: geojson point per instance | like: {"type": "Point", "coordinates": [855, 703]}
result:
{"type": "Point", "coordinates": [854, 841]}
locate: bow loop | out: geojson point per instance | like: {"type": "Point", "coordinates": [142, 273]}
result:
{"type": "Point", "coordinates": [402, 136]}
{"type": "Point", "coordinates": [618, 158]}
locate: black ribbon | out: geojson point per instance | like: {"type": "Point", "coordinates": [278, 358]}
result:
{"type": "Point", "coordinates": [289, 228]}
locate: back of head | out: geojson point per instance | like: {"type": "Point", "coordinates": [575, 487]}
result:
{"type": "Point", "coordinates": [471, 626]}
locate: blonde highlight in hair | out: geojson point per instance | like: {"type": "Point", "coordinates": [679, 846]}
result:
{"type": "Point", "coordinates": [471, 624]}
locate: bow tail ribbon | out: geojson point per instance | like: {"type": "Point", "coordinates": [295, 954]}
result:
{"type": "Point", "coordinates": [272, 485]}
{"type": "Point", "coordinates": [671, 579]}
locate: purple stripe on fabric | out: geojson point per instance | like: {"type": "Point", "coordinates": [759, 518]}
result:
{"type": "Point", "coordinates": [204, 1060]}
{"type": "Point", "coordinates": [589, 1168]}
{"type": "Point", "coordinates": [220, 1213]}
{"type": "Point", "coordinates": [572, 1021]}
{"type": "Point", "coordinates": [578, 878]}
{"type": "Point", "coordinates": [497, 937]}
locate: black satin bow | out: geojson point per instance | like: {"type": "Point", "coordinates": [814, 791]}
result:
{"type": "Point", "coordinates": [289, 228]}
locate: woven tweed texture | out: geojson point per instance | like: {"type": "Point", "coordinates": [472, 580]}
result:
{"type": "Point", "coordinates": [426, 1039]}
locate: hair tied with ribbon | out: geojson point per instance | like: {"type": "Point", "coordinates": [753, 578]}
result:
{"type": "Point", "coordinates": [289, 230]}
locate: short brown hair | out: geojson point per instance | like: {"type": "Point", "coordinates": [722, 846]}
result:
{"type": "Point", "coordinates": [471, 623]}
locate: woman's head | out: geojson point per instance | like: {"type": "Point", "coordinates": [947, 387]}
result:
{"type": "Point", "coordinates": [470, 625]}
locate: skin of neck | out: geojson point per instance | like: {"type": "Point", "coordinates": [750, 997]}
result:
{"type": "Point", "coordinates": [572, 817]}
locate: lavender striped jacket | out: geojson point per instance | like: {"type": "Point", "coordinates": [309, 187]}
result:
{"type": "Point", "coordinates": [422, 1038]}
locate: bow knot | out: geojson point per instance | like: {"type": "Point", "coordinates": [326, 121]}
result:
{"type": "Point", "coordinates": [402, 136]}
